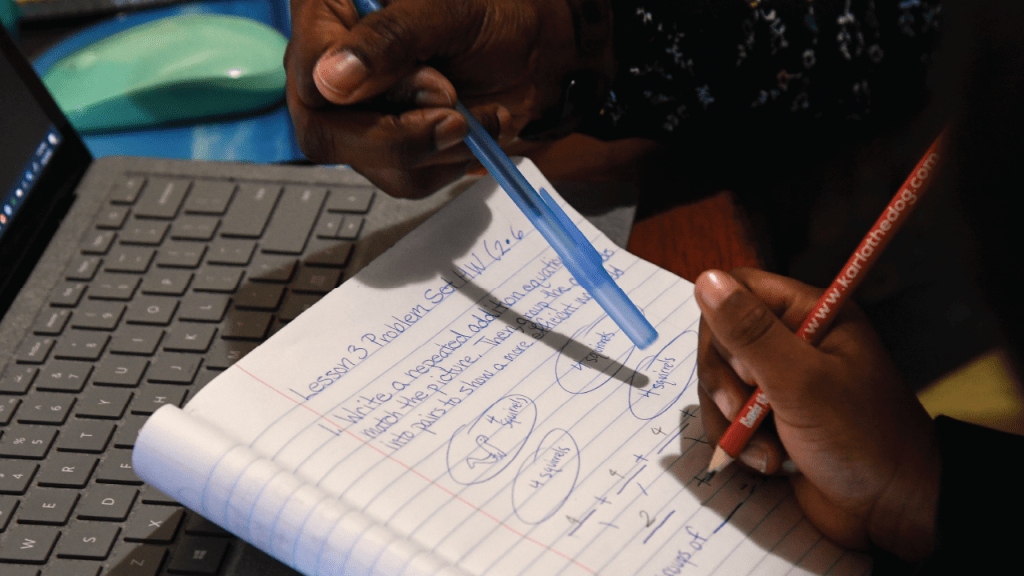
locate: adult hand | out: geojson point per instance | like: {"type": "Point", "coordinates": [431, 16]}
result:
{"type": "Point", "coordinates": [864, 446]}
{"type": "Point", "coordinates": [379, 93]}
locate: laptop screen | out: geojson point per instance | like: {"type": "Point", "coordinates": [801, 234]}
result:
{"type": "Point", "coordinates": [28, 140]}
{"type": "Point", "coordinates": [41, 161]}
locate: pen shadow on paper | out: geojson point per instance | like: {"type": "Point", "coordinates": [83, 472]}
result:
{"type": "Point", "coordinates": [468, 245]}
{"type": "Point", "coordinates": [762, 508]}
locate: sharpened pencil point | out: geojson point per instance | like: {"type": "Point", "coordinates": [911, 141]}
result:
{"type": "Point", "coordinates": [719, 460]}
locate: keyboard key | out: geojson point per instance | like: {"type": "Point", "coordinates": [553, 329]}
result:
{"type": "Point", "coordinates": [28, 544]}
{"type": "Point", "coordinates": [136, 560]}
{"type": "Point", "coordinates": [97, 241]}
{"type": "Point", "coordinates": [151, 495]}
{"type": "Point", "coordinates": [128, 431]}
{"type": "Point", "coordinates": [51, 321]}
{"type": "Point", "coordinates": [112, 217]}
{"type": "Point", "coordinates": [231, 251]}
{"type": "Point", "coordinates": [150, 397]}
{"type": "Point", "coordinates": [127, 191]}
{"type": "Point", "coordinates": [88, 540]}
{"type": "Point", "coordinates": [295, 304]}
{"type": "Point", "coordinates": [67, 294]}
{"type": "Point", "coordinates": [198, 555]}
{"type": "Point", "coordinates": [103, 402]}
{"type": "Point", "coordinates": [8, 406]}
{"type": "Point", "coordinates": [161, 198]}
{"type": "Point", "coordinates": [189, 337]}
{"type": "Point", "coordinates": [315, 279]}
{"type": "Point", "coordinates": [180, 255]}
{"type": "Point", "coordinates": [201, 307]}
{"type": "Point", "coordinates": [129, 259]}
{"type": "Point", "coordinates": [328, 225]}
{"type": "Point", "coordinates": [108, 502]}
{"type": "Point", "coordinates": [194, 228]}
{"type": "Point", "coordinates": [48, 506]}
{"type": "Point", "coordinates": [83, 435]}
{"type": "Point", "coordinates": [172, 368]}
{"type": "Point", "coordinates": [116, 468]}
{"type": "Point", "coordinates": [82, 268]}
{"type": "Point", "coordinates": [65, 567]}
{"type": "Point", "coordinates": [350, 199]}
{"type": "Point", "coordinates": [8, 504]}
{"type": "Point", "coordinates": [209, 197]}
{"type": "Point", "coordinates": [246, 325]}
{"type": "Point", "coordinates": [113, 287]}
{"type": "Point", "coordinates": [98, 315]}
{"type": "Point", "coordinates": [247, 216]}
{"type": "Point", "coordinates": [168, 282]}
{"type": "Point", "coordinates": [259, 296]}
{"type": "Point", "coordinates": [199, 526]}
{"type": "Point", "coordinates": [224, 353]}
{"type": "Point", "coordinates": [16, 475]}
{"type": "Point", "coordinates": [292, 222]}
{"type": "Point", "coordinates": [351, 225]}
{"type": "Point", "coordinates": [272, 268]}
{"type": "Point", "coordinates": [29, 442]}
{"type": "Point", "coordinates": [154, 524]}
{"type": "Point", "coordinates": [34, 350]}
{"type": "Point", "coordinates": [17, 379]}
{"type": "Point", "coordinates": [81, 345]}
{"type": "Point", "coordinates": [217, 279]}
{"type": "Point", "coordinates": [141, 340]}
{"type": "Point", "coordinates": [156, 310]}
{"type": "Point", "coordinates": [144, 232]}
{"type": "Point", "coordinates": [67, 470]}
{"type": "Point", "coordinates": [63, 376]}
{"type": "Point", "coordinates": [121, 370]}
{"type": "Point", "coordinates": [328, 253]}
{"type": "Point", "coordinates": [45, 408]}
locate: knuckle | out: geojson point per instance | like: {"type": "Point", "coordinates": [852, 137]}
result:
{"type": "Point", "coordinates": [751, 324]}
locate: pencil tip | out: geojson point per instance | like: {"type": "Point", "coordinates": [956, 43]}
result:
{"type": "Point", "coordinates": [719, 460]}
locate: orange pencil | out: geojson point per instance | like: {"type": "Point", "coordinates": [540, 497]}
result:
{"type": "Point", "coordinates": [824, 311]}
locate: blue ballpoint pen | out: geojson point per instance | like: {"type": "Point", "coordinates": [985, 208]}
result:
{"type": "Point", "coordinates": [573, 249]}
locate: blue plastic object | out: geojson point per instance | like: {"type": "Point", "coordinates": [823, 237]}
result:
{"type": "Point", "coordinates": [262, 138]}
{"type": "Point", "coordinates": [178, 69]}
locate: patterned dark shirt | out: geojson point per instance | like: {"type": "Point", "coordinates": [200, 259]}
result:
{"type": "Point", "coordinates": [687, 64]}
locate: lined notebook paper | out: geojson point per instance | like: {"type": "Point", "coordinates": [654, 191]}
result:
{"type": "Point", "coordinates": [462, 407]}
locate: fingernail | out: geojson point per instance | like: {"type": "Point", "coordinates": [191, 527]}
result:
{"type": "Point", "coordinates": [756, 458]}
{"type": "Point", "coordinates": [431, 98]}
{"type": "Point", "coordinates": [789, 467]}
{"type": "Point", "coordinates": [449, 132]}
{"type": "Point", "coordinates": [715, 286]}
{"type": "Point", "coordinates": [724, 403]}
{"type": "Point", "coordinates": [338, 74]}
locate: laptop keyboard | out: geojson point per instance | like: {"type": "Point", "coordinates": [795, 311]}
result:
{"type": "Point", "coordinates": [176, 280]}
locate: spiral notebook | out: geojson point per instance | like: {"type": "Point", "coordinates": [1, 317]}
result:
{"type": "Point", "coordinates": [461, 407]}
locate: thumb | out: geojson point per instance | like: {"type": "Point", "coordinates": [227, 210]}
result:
{"type": "Point", "coordinates": [388, 45]}
{"type": "Point", "coordinates": [758, 346]}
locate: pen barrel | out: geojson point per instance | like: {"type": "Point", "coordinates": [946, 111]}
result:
{"type": "Point", "coordinates": [573, 249]}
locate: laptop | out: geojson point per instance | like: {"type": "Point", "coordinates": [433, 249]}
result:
{"type": "Point", "coordinates": [127, 283]}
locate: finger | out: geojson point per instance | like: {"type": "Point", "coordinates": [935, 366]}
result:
{"type": "Point", "coordinates": [351, 135]}
{"type": "Point", "coordinates": [418, 182]}
{"type": "Point", "coordinates": [722, 394]}
{"type": "Point", "coordinates": [387, 45]}
{"type": "Point", "coordinates": [759, 348]}
{"type": "Point", "coordinates": [316, 26]}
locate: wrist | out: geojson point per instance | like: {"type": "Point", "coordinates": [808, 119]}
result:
{"type": "Point", "coordinates": [587, 80]}
{"type": "Point", "coordinates": [903, 521]}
